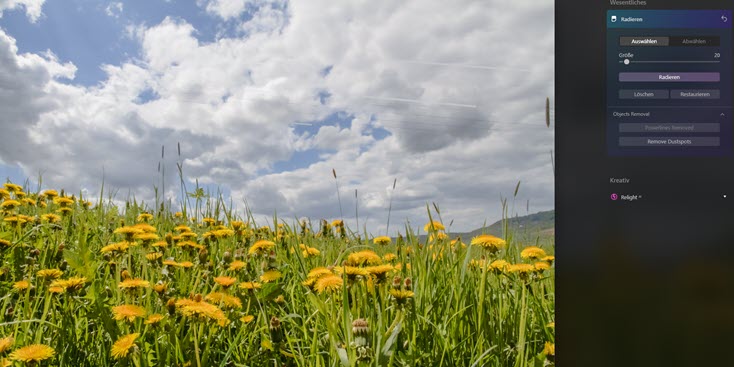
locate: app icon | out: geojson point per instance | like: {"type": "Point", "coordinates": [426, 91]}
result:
{"type": "Point", "coordinates": [614, 18]}
{"type": "Point", "coordinates": [614, 197]}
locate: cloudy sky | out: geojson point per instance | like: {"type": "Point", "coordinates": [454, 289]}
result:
{"type": "Point", "coordinates": [266, 97]}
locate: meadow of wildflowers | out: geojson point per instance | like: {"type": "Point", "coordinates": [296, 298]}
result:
{"type": "Point", "coordinates": [96, 284]}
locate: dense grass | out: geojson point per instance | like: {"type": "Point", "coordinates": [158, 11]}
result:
{"type": "Point", "coordinates": [438, 304]}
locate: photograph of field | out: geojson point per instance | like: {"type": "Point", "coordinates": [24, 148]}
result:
{"type": "Point", "coordinates": [277, 183]}
{"type": "Point", "coordinates": [105, 285]}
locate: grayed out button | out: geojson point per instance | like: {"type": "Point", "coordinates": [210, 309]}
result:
{"type": "Point", "coordinates": [669, 142]}
{"type": "Point", "coordinates": [644, 94]}
{"type": "Point", "coordinates": [692, 128]}
{"type": "Point", "coordinates": [695, 94]}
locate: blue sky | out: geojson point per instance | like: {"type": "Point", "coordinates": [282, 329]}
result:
{"type": "Point", "coordinates": [266, 97]}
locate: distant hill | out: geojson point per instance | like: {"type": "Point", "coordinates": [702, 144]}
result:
{"type": "Point", "coordinates": [528, 229]}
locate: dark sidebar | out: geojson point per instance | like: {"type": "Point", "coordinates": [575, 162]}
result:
{"type": "Point", "coordinates": [645, 183]}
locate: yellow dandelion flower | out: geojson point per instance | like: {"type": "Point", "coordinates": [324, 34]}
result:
{"type": "Point", "coordinates": [310, 251]}
{"type": "Point", "coordinates": [187, 236]}
{"type": "Point", "coordinates": [549, 349]}
{"type": "Point", "coordinates": [190, 244]}
{"type": "Point", "coordinates": [144, 217]}
{"type": "Point", "coordinates": [489, 242]}
{"type": "Point", "coordinates": [250, 285]}
{"type": "Point", "coordinates": [247, 319]}
{"type": "Point", "coordinates": [64, 202]}
{"type": "Point", "coordinates": [49, 273]}
{"type": "Point", "coordinates": [379, 270]}
{"type": "Point", "coordinates": [186, 264]}
{"type": "Point", "coordinates": [351, 271]}
{"type": "Point", "coordinates": [9, 204]}
{"type": "Point", "coordinates": [365, 257]}
{"type": "Point", "coordinates": [160, 287]}
{"type": "Point", "coordinates": [532, 252]}
{"type": "Point", "coordinates": [65, 211]}
{"type": "Point", "coordinates": [170, 262]}
{"type": "Point", "coordinates": [541, 266]}
{"type": "Point", "coordinates": [116, 247]}
{"type": "Point", "coordinates": [237, 265]}
{"type": "Point", "coordinates": [73, 283]}
{"type": "Point", "coordinates": [401, 294]}
{"type": "Point", "coordinates": [261, 247]}
{"type": "Point", "coordinates": [122, 346]}
{"type": "Point", "coordinates": [457, 242]}
{"type": "Point", "coordinates": [14, 188]}
{"type": "Point", "coordinates": [319, 271]}
{"type": "Point", "coordinates": [223, 299]}
{"type": "Point", "coordinates": [127, 312]}
{"type": "Point", "coordinates": [153, 256]}
{"type": "Point", "coordinates": [224, 281]}
{"type": "Point", "coordinates": [440, 236]}
{"type": "Point", "coordinates": [201, 310]}
{"type": "Point", "coordinates": [209, 221]}
{"type": "Point", "coordinates": [390, 257]}
{"type": "Point", "coordinates": [154, 319]}
{"type": "Point", "coordinates": [5, 243]}
{"type": "Point", "coordinates": [133, 284]}
{"type": "Point", "coordinates": [337, 223]}
{"type": "Point", "coordinates": [21, 285]}
{"type": "Point", "coordinates": [222, 233]}
{"type": "Point", "coordinates": [51, 218]}
{"type": "Point", "coordinates": [32, 353]}
{"type": "Point", "coordinates": [56, 290]}
{"type": "Point", "coordinates": [145, 227]}
{"type": "Point", "coordinates": [551, 325]}
{"type": "Point", "coordinates": [499, 265]}
{"type": "Point", "coordinates": [51, 194]}
{"type": "Point", "coordinates": [146, 237]}
{"type": "Point", "coordinates": [549, 259]}
{"type": "Point", "coordinates": [382, 240]}
{"type": "Point", "coordinates": [520, 268]}
{"type": "Point", "coordinates": [128, 231]}
{"type": "Point", "coordinates": [6, 343]}
{"type": "Point", "coordinates": [270, 276]}
{"type": "Point", "coordinates": [433, 225]}
{"type": "Point", "coordinates": [160, 244]}
{"type": "Point", "coordinates": [4, 194]}
{"type": "Point", "coordinates": [14, 220]}
{"type": "Point", "coordinates": [182, 228]}
{"type": "Point", "coordinates": [328, 283]}
{"type": "Point", "coordinates": [178, 215]}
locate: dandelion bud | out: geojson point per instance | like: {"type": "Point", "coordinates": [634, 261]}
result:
{"type": "Point", "coordinates": [108, 292]}
{"type": "Point", "coordinates": [276, 333]}
{"type": "Point", "coordinates": [63, 265]}
{"type": "Point", "coordinates": [125, 274]}
{"type": "Point", "coordinates": [197, 297]}
{"type": "Point", "coordinates": [203, 253]}
{"type": "Point", "coordinates": [169, 238]}
{"type": "Point", "coordinates": [227, 257]}
{"type": "Point", "coordinates": [408, 284]}
{"type": "Point", "coordinates": [396, 282]}
{"type": "Point", "coordinates": [171, 305]}
{"type": "Point", "coordinates": [360, 327]}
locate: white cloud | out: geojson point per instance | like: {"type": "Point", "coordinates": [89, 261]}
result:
{"type": "Point", "coordinates": [32, 7]}
{"type": "Point", "coordinates": [114, 9]}
{"type": "Point", "coordinates": [477, 78]}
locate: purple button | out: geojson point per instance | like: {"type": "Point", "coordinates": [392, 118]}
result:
{"type": "Point", "coordinates": [670, 77]}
